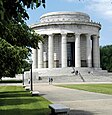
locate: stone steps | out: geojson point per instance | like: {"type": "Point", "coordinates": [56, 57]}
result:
{"type": "Point", "coordinates": [87, 78]}
{"type": "Point", "coordinates": [68, 71]}
{"type": "Point", "coordinates": [61, 75]}
{"type": "Point", "coordinates": [99, 78]}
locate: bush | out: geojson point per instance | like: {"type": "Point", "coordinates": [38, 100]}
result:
{"type": "Point", "coordinates": [11, 81]}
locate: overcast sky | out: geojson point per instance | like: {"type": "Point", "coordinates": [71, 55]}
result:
{"type": "Point", "coordinates": [98, 10]}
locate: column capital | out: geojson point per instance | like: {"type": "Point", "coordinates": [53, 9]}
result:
{"type": "Point", "coordinates": [95, 36]}
{"type": "Point", "coordinates": [88, 35]}
{"type": "Point", "coordinates": [63, 34]}
{"type": "Point", "coordinates": [77, 34]}
{"type": "Point", "coordinates": [52, 34]}
{"type": "Point", "coordinates": [64, 38]}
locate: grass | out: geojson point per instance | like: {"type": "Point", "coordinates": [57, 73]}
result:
{"type": "Point", "coordinates": [98, 88]}
{"type": "Point", "coordinates": [14, 100]}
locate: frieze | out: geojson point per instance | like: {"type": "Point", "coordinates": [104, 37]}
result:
{"type": "Point", "coordinates": [64, 16]}
{"type": "Point", "coordinates": [57, 24]}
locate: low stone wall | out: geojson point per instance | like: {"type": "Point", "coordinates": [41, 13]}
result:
{"type": "Point", "coordinates": [17, 77]}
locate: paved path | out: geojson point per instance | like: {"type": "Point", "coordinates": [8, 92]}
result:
{"type": "Point", "coordinates": [10, 84]}
{"type": "Point", "coordinates": [80, 102]}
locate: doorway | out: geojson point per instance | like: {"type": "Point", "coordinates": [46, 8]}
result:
{"type": "Point", "coordinates": [71, 54]}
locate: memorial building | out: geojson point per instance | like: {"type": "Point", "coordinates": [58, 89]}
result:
{"type": "Point", "coordinates": [71, 39]}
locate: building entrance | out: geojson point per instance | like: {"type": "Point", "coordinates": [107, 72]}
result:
{"type": "Point", "coordinates": [71, 54]}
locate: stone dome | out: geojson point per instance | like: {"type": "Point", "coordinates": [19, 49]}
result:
{"type": "Point", "coordinates": [64, 17]}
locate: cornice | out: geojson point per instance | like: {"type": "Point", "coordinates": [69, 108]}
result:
{"type": "Point", "coordinates": [66, 23]}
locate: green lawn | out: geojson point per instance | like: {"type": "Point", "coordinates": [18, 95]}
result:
{"type": "Point", "coordinates": [98, 88]}
{"type": "Point", "coordinates": [14, 100]}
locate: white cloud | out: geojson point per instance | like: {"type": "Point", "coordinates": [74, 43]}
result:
{"type": "Point", "coordinates": [72, 0]}
{"type": "Point", "coordinates": [101, 7]}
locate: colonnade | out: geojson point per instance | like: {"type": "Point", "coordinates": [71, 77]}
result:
{"type": "Point", "coordinates": [92, 52]}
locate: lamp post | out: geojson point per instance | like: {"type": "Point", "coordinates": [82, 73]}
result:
{"type": "Point", "coordinates": [23, 75]}
{"type": "Point", "coordinates": [31, 82]}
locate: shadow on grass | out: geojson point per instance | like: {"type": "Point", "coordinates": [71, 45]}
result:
{"type": "Point", "coordinates": [15, 94]}
{"type": "Point", "coordinates": [80, 112]}
{"type": "Point", "coordinates": [17, 98]}
{"type": "Point", "coordinates": [45, 111]}
{"type": "Point", "coordinates": [15, 102]}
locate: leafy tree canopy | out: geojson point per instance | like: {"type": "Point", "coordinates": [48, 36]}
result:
{"type": "Point", "coordinates": [16, 38]}
{"type": "Point", "coordinates": [106, 57]}
{"type": "Point", "coordinates": [12, 22]}
{"type": "Point", "coordinates": [11, 58]}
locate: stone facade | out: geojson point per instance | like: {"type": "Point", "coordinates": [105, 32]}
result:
{"type": "Point", "coordinates": [70, 40]}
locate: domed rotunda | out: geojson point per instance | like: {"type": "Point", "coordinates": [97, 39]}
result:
{"type": "Point", "coordinates": [71, 39]}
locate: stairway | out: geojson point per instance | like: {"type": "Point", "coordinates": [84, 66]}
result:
{"type": "Point", "coordinates": [63, 75]}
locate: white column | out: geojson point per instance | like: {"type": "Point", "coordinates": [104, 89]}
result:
{"type": "Point", "coordinates": [45, 59]}
{"type": "Point", "coordinates": [40, 55]}
{"type": "Point", "coordinates": [34, 58]}
{"type": "Point", "coordinates": [77, 51]}
{"type": "Point", "coordinates": [88, 51]}
{"type": "Point", "coordinates": [50, 52]}
{"type": "Point", "coordinates": [64, 50]}
{"type": "Point", "coordinates": [37, 58]}
{"type": "Point", "coordinates": [98, 51]}
{"type": "Point", "coordinates": [95, 52]}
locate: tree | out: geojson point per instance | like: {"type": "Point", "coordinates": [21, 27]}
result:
{"type": "Point", "coordinates": [11, 58]}
{"type": "Point", "coordinates": [16, 38]}
{"type": "Point", "coordinates": [106, 57]}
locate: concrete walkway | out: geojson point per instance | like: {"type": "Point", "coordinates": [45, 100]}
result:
{"type": "Point", "coordinates": [10, 84]}
{"type": "Point", "coordinates": [80, 102]}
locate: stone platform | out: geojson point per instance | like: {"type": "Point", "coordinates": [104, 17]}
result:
{"type": "Point", "coordinates": [62, 75]}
